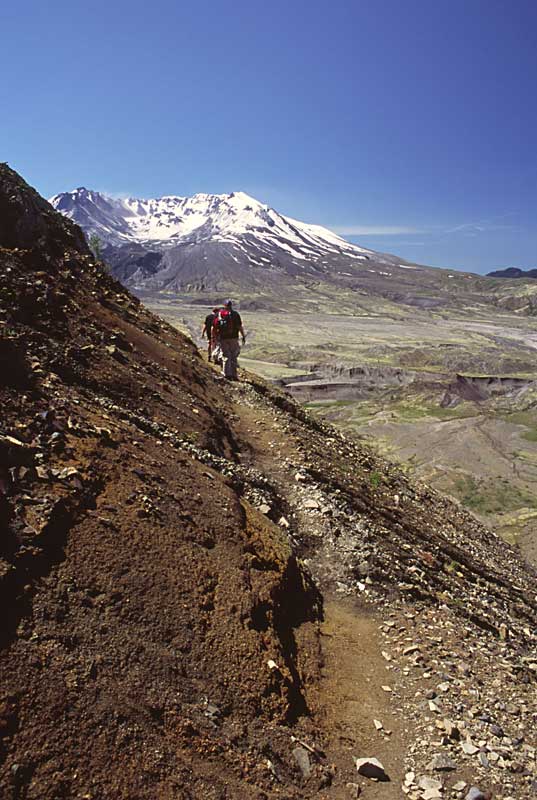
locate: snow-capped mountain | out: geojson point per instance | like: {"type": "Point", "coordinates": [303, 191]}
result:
{"type": "Point", "coordinates": [168, 221]}
{"type": "Point", "coordinates": [206, 241]}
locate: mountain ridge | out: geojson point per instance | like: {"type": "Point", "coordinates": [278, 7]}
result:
{"type": "Point", "coordinates": [513, 272]}
{"type": "Point", "coordinates": [209, 242]}
{"type": "Point", "coordinates": [171, 217]}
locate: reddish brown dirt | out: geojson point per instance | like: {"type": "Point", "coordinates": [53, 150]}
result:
{"type": "Point", "coordinates": [351, 698]}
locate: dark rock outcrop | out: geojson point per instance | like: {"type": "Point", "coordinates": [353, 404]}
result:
{"type": "Point", "coordinates": [28, 222]}
{"type": "Point", "coordinates": [513, 272]}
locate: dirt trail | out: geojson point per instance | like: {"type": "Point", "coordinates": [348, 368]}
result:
{"type": "Point", "coordinates": [351, 697]}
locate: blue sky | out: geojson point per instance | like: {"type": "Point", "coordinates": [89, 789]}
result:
{"type": "Point", "coordinates": [410, 127]}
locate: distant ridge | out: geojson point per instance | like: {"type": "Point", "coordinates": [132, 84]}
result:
{"type": "Point", "coordinates": [513, 272]}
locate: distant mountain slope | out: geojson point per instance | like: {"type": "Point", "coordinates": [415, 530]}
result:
{"type": "Point", "coordinates": [203, 217]}
{"type": "Point", "coordinates": [211, 245]}
{"type": "Point", "coordinates": [163, 243]}
{"type": "Point", "coordinates": [513, 272]}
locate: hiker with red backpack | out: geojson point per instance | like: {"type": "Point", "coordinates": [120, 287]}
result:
{"type": "Point", "coordinates": [226, 329]}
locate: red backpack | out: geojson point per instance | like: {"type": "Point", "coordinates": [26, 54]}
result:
{"type": "Point", "coordinates": [223, 324]}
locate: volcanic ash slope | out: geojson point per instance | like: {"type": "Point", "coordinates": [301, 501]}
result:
{"type": "Point", "coordinates": [208, 594]}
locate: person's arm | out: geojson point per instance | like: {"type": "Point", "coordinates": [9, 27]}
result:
{"type": "Point", "coordinates": [239, 326]}
{"type": "Point", "coordinates": [203, 329]}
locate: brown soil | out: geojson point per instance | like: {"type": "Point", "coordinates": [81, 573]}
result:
{"type": "Point", "coordinates": [351, 698]}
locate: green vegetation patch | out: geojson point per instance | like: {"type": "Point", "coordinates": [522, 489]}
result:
{"type": "Point", "coordinates": [269, 369]}
{"type": "Point", "coordinates": [323, 405]}
{"type": "Point", "coordinates": [411, 410]}
{"type": "Point", "coordinates": [492, 497]}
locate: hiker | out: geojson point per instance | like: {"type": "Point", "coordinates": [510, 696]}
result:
{"type": "Point", "coordinates": [228, 326]}
{"type": "Point", "coordinates": [208, 329]}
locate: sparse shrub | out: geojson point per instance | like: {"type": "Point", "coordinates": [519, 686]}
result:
{"type": "Point", "coordinates": [95, 245]}
{"type": "Point", "coordinates": [192, 437]}
{"type": "Point", "coordinates": [375, 479]}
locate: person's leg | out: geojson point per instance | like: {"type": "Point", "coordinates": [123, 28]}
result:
{"type": "Point", "coordinates": [216, 350]}
{"type": "Point", "coordinates": [225, 349]}
{"type": "Point", "coordinates": [234, 351]}
{"type": "Point", "coordinates": [209, 350]}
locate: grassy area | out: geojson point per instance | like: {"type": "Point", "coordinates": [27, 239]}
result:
{"type": "Point", "coordinates": [269, 369]}
{"type": "Point", "coordinates": [418, 408]}
{"type": "Point", "coordinates": [323, 405]}
{"type": "Point", "coordinates": [492, 497]}
{"type": "Point", "coordinates": [526, 418]}
{"type": "Point", "coordinates": [411, 410]}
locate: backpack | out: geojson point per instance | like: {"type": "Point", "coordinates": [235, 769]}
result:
{"type": "Point", "coordinates": [223, 324]}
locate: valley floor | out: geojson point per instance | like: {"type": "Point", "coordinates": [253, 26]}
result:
{"type": "Point", "coordinates": [482, 453]}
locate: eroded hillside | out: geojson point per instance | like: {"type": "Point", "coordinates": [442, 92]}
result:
{"type": "Point", "coordinates": [207, 593]}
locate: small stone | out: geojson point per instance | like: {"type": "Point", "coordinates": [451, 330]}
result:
{"type": "Point", "coordinates": [431, 794]}
{"type": "Point", "coordinates": [483, 760]}
{"type": "Point", "coordinates": [378, 724]}
{"type": "Point", "coordinates": [460, 786]}
{"type": "Point", "coordinates": [475, 794]}
{"type": "Point", "coordinates": [310, 504]}
{"type": "Point", "coordinates": [410, 777]}
{"type": "Point", "coordinates": [386, 655]}
{"type": "Point", "coordinates": [264, 508]}
{"type": "Point", "coordinates": [451, 730]}
{"type": "Point", "coordinates": [441, 763]}
{"type": "Point", "coordinates": [283, 522]}
{"type": "Point", "coordinates": [271, 768]}
{"type": "Point", "coordinates": [413, 648]}
{"type": "Point", "coordinates": [429, 783]}
{"type": "Point", "coordinates": [302, 758]}
{"type": "Point", "coordinates": [386, 688]}
{"type": "Point", "coordinates": [469, 748]}
{"type": "Point", "coordinates": [353, 789]}
{"type": "Point", "coordinates": [371, 768]}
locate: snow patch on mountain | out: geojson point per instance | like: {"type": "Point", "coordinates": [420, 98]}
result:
{"type": "Point", "coordinates": [169, 221]}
